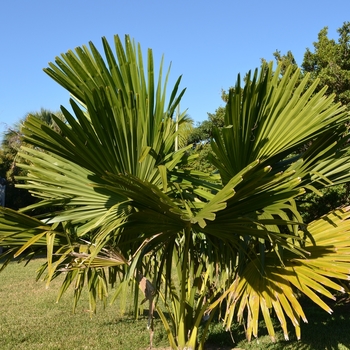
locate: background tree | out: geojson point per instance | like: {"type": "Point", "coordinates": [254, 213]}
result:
{"type": "Point", "coordinates": [11, 143]}
{"type": "Point", "coordinates": [14, 198]}
{"type": "Point", "coordinates": [329, 62]}
{"type": "Point", "coordinates": [201, 135]}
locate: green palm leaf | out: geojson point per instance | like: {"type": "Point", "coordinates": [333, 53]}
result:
{"type": "Point", "coordinates": [270, 118]}
{"type": "Point", "coordinates": [274, 287]}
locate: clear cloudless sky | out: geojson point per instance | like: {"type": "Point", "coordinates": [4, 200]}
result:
{"type": "Point", "coordinates": [208, 42]}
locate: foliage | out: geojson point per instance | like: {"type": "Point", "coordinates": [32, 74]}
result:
{"type": "Point", "coordinates": [329, 62]}
{"type": "Point", "coordinates": [203, 132]}
{"type": "Point", "coordinates": [10, 145]}
{"type": "Point", "coordinates": [131, 211]}
{"type": "Point", "coordinates": [201, 136]}
{"type": "Point", "coordinates": [314, 206]}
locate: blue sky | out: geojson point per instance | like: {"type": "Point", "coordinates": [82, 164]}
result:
{"type": "Point", "coordinates": [208, 42]}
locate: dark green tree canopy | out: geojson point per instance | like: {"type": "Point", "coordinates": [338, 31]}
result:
{"type": "Point", "coordinates": [10, 145]}
{"type": "Point", "coordinates": [329, 61]}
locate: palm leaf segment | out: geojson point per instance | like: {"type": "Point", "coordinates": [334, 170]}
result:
{"type": "Point", "coordinates": [120, 142]}
{"type": "Point", "coordinates": [268, 121]}
{"type": "Point", "coordinates": [128, 128]}
{"type": "Point", "coordinates": [119, 148]}
{"type": "Point", "coordinates": [260, 289]}
{"type": "Point", "coordinates": [271, 117]}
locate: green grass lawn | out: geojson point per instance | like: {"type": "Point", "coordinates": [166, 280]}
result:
{"type": "Point", "coordinates": [30, 319]}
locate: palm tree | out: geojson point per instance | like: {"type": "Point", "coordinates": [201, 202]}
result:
{"type": "Point", "coordinates": [131, 209]}
{"type": "Point", "coordinates": [10, 146]}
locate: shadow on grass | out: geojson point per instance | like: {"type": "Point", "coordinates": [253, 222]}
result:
{"type": "Point", "coordinates": [322, 332]}
{"type": "Point", "coordinates": [325, 331]}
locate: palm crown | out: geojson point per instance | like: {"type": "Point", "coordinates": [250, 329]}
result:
{"type": "Point", "coordinates": [125, 200]}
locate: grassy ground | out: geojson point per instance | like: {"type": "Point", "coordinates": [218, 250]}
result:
{"type": "Point", "coordinates": [30, 319]}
